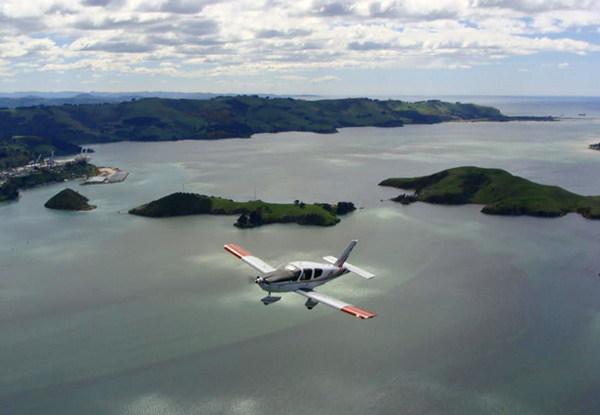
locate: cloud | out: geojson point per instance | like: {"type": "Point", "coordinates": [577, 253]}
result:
{"type": "Point", "coordinates": [335, 8]}
{"type": "Point", "coordinates": [99, 3]}
{"type": "Point", "coordinates": [226, 38]}
{"type": "Point", "coordinates": [293, 78]}
{"type": "Point", "coordinates": [324, 79]}
{"type": "Point", "coordinates": [563, 65]}
{"type": "Point", "coordinates": [182, 6]}
{"type": "Point", "coordinates": [270, 33]}
{"type": "Point", "coordinates": [368, 46]}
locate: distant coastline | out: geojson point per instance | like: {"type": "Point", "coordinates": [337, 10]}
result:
{"type": "Point", "coordinates": [27, 132]}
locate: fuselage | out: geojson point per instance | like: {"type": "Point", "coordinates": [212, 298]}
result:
{"type": "Point", "coordinates": [299, 275]}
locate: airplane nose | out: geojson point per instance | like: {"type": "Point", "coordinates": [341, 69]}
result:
{"type": "Point", "coordinates": [258, 280]}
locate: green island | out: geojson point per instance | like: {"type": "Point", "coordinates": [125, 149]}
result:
{"type": "Point", "coordinates": [27, 132]}
{"type": "Point", "coordinates": [69, 199]}
{"type": "Point", "coordinates": [253, 213]}
{"type": "Point", "coordinates": [9, 190]}
{"type": "Point", "coordinates": [500, 192]}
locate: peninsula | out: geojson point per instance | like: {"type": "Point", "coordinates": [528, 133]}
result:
{"type": "Point", "coordinates": [68, 199]}
{"type": "Point", "coordinates": [500, 192]}
{"type": "Point", "coordinates": [9, 190]}
{"type": "Point", "coordinates": [253, 213]}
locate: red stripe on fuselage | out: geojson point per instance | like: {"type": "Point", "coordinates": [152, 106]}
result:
{"type": "Point", "coordinates": [237, 250]}
{"type": "Point", "coordinates": [358, 312]}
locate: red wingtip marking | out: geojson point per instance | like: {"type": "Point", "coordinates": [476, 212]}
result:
{"type": "Point", "coordinates": [358, 312]}
{"type": "Point", "coordinates": [237, 251]}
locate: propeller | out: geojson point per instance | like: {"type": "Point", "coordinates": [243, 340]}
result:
{"type": "Point", "coordinates": [254, 280]}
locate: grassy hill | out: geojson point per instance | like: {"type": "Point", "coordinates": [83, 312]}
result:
{"type": "Point", "coordinates": [68, 199]}
{"type": "Point", "coordinates": [252, 213]}
{"type": "Point", "coordinates": [156, 119]}
{"type": "Point", "coordinates": [500, 192]}
{"type": "Point", "coordinates": [18, 150]}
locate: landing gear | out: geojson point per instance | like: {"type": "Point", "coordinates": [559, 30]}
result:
{"type": "Point", "coordinates": [269, 299]}
{"type": "Point", "coordinates": [310, 303]}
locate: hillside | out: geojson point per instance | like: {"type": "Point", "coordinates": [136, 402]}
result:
{"type": "Point", "coordinates": [156, 119]}
{"type": "Point", "coordinates": [500, 192]}
{"type": "Point", "coordinates": [253, 213]}
{"type": "Point", "coordinates": [82, 169]}
{"type": "Point", "coordinates": [68, 199]}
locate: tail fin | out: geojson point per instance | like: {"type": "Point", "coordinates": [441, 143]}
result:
{"type": "Point", "coordinates": [340, 261]}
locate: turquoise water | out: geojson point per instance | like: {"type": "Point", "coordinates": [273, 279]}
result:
{"type": "Point", "coordinates": [104, 313]}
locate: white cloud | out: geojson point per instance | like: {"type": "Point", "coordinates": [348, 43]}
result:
{"type": "Point", "coordinates": [563, 65]}
{"type": "Point", "coordinates": [210, 38]}
{"type": "Point", "coordinates": [323, 79]}
{"type": "Point", "coordinates": [293, 78]}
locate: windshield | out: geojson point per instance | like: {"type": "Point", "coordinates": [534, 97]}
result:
{"type": "Point", "coordinates": [292, 271]}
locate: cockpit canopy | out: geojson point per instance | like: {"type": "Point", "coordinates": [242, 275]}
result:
{"type": "Point", "coordinates": [292, 271]}
{"type": "Point", "coordinates": [288, 272]}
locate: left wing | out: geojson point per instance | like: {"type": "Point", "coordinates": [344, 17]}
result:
{"type": "Point", "coordinates": [256, 263]}
{"type": "Point", "coordinates": [337, 304]}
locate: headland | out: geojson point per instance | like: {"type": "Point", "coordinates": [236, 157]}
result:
{"type": "Point", "coordinates": [500, 192]}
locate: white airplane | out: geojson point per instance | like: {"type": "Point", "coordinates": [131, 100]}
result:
{"type": "Point", "coordinates": [302, 276]}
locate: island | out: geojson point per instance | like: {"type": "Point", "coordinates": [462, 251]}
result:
{"type": "Point", "coordinates": [500, 192]}
{"type": "Point", "coordinates": [69, 199]}
{"type": "Point", "coordinates": [252, 213]}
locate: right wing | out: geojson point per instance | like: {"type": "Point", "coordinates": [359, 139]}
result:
{"type": "Point", "coordinates": [256, 263]}
{"type": "Point", "coordinates": [337, 304]}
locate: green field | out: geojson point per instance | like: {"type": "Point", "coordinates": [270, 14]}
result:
{"type": "Point", "coordinates": [253, 213]}
{"type": "Point", "coordinates": [500, 192]}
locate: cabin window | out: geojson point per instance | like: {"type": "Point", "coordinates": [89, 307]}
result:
{"type": "Point", "coordinates": [307, 274]}
{"type": "Point", "coordinates": [318, 272]}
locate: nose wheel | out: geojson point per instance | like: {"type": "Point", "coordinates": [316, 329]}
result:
{"type": "Point", "coordinates": [269, 299]}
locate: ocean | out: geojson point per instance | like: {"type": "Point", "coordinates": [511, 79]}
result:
{"type": "Point", "coordinates": [102, 312]}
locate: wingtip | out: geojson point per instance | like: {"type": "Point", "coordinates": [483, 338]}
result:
{"type": "Point", "coordinates": [358, 312]}
{"type": "Point", "coordinates": [236, 250]}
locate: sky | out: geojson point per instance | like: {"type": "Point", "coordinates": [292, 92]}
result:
{"type": "Point", "coordinates": [323, 47]}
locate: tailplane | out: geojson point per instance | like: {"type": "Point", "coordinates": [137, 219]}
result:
{"type": "Point", "coordinates": [341, 262]}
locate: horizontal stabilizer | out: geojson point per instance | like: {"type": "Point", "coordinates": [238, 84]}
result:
{"type": "Point", "coordinates": [351, 268]}
{"type": "Point", "coordinates": [256, 263]}
{"type": "Point", "coordinates": [337, 304]}
{"type": "Point", "coordinates": [359, 271]}
{"type": "Point", "coordinates": [330, 259]}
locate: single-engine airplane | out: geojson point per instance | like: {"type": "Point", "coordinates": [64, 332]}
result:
{"type": "Point", "coordinates": [302, 276]}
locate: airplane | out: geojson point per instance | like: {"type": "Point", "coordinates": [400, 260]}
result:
{"type": "Point", "coordinates": [302, 276]}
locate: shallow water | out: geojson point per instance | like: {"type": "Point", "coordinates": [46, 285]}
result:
{"type": "Point", "coordinates": [105, 313]}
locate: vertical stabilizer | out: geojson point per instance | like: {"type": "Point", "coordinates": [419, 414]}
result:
{"type": "Point", "coordinates": [340, 261]}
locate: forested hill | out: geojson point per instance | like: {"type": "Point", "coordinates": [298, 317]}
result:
{"type": "Point", "coordinates": [156, 119]}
